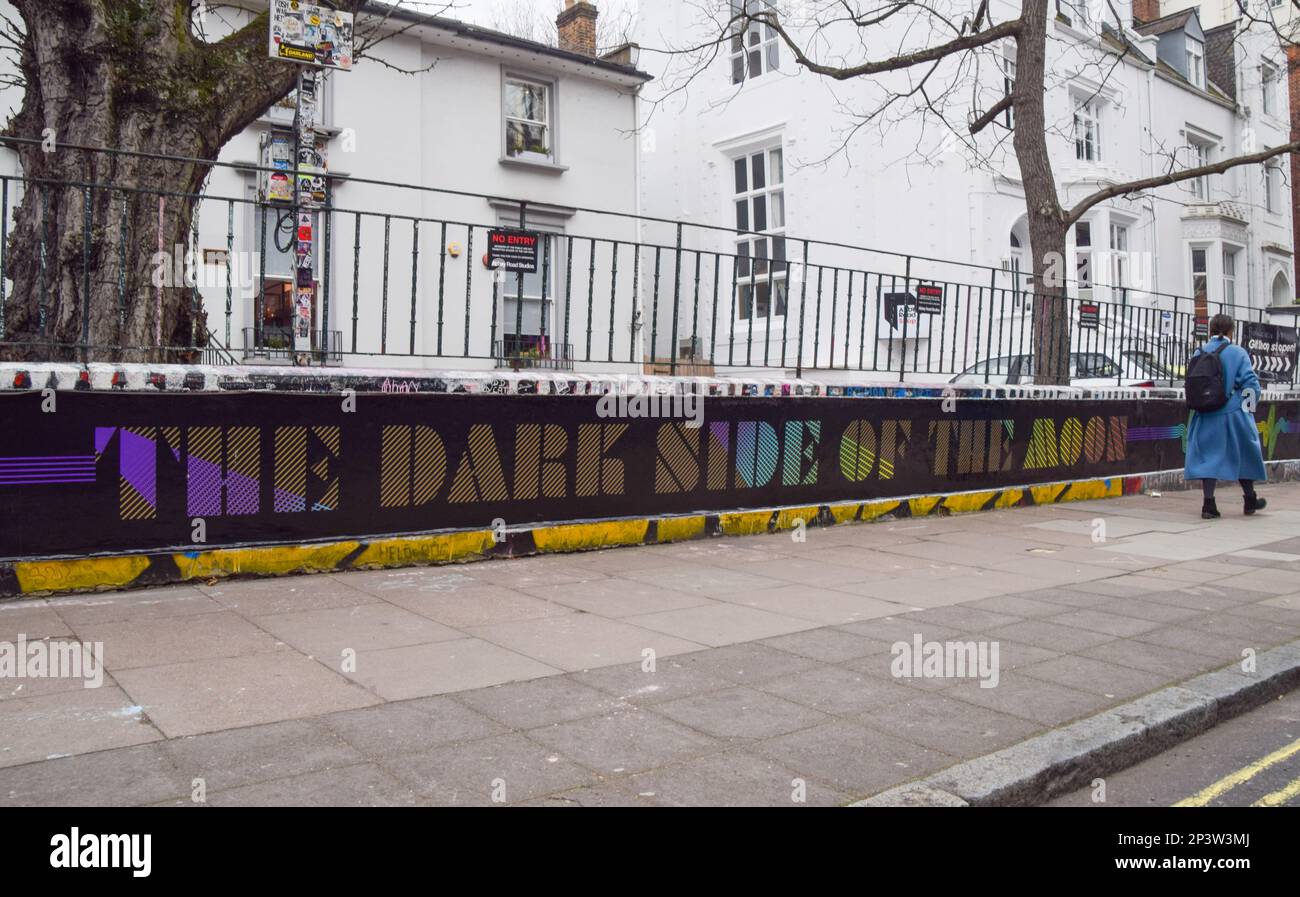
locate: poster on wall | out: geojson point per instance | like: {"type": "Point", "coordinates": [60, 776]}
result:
{"type": "Point", "coordinates": [1272, 350]}
{"type": "Point", "coordinates": [311, 34]}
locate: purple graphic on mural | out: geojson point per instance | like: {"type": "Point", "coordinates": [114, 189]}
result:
{"type": "Point", "coordinates": [47, 470]}
{"type": "Point", "coordinates": [205, 481]}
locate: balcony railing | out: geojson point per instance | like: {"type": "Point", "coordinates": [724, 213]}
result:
{"type": "Point", "coordinates": [276, 344]}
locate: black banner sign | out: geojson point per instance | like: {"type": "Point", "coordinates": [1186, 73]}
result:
{"type": "Point", "coordinates": [1272, 350]}
{"type": "Point", "coordinates": [102, 471]}
{"type": "Point", "coordinates": [513, 250]}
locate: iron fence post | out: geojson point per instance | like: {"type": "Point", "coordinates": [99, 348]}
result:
{"type": "Point", "coordinates": [803, 302]}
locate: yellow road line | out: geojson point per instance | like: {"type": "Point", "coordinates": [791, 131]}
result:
{"type": "Point", "coordinates": [1245, 774]}
{"type": "Point", "coordinates": [1280, 796]}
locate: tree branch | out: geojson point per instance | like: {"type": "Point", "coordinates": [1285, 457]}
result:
{"type": "Point", "coordinates": [1175, 177]}
{"type": "Point", "coordinates": [894, 63]}
{"type": "Point", "coordinates": [988, 117]}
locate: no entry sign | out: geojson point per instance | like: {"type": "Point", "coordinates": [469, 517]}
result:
{"type": "Point", "coordinates": [929, 299]}
{"type": "Point", "coordinates": [1272, 350]}
{"type": "Point", "coordinates": [1089, 315]}
{"type": "Point", "coordinates": [513, 250]}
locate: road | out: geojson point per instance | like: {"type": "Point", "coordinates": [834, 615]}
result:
{"type": "Point", "coordinates": [1253, 760]}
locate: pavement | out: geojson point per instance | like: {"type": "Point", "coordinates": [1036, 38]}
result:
{"type": "Point", "coordinates": [1253, 760]}
{"type": "Point", "coordinates": [755, 670]}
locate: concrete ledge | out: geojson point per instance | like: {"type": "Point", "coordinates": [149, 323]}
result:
{"type": "Point", "coordinates": [182, 564]}
{"type": "Point", "coordinates": [135, 377]}
{"type": "Point", "coordinates": [1071, 757]}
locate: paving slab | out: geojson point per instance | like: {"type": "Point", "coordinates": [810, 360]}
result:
{"type": "Point", "coordinates": [769, 677]}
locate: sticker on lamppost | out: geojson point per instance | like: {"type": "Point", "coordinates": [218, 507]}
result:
{"type": "Point", "coordinates": [311, 34]}
{"type": "Point", "coordinates": [513, 250]}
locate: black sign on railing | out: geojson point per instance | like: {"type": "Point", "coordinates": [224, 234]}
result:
{"type": "Point", "coordinates": [929, 298]}
{"type": "Point", "coordinates": [1089, 315]}
{"type": "Point", "coordinates": [513, 250]}
{"type": "Point", "coordinates": [900, 309]}
{"type": "Point", "coordinates": [1272, 350]}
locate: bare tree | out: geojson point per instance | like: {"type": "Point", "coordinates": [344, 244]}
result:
{"type": "Point", "coordinates": [142, 77]}
{"type": "Point", "coordinates": [535, 21]}
{"type": "Point", "coordinates": [935, 49]}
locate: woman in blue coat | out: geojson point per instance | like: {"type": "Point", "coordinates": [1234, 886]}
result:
{"type": "Point", "coordinates": [1224, 444]}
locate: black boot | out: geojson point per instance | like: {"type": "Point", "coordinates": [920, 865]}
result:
{"type": "Point", "coordinates": [1254, 503]}
{"type": "Point", "coordinates": [1209, 511]}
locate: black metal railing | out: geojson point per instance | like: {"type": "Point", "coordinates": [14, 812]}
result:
{"type": "Point", "coordinates": [278, 343]}
{"type": "Point", "coordinates": [530, 353]}
{"type": "Point", "coordinates": [391, 286]}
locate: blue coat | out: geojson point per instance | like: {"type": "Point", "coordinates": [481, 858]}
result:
{"type": "Point", "coordinates": [1224, 444]}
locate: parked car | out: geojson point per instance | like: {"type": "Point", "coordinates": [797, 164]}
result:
{"type": "Point", "coordinates": [1089, 369]}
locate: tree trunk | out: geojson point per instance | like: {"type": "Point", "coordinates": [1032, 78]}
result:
{"type": "Point", "coordinates": [1047, 220]}
{"type": "Point", "coordinates": [132, 76]}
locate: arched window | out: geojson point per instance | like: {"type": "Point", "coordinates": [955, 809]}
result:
{"type": "Point", "coordinates": [1282, 290]}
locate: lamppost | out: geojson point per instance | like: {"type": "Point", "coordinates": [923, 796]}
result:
{"type": "Point", "coordinates": [315, 38]}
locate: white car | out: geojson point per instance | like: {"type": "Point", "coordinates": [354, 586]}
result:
{"type": "Point", "coordinates": [1088, 369]}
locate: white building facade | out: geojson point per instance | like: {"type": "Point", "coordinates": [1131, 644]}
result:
{"type": "Point", "coordinates": [757, 143]}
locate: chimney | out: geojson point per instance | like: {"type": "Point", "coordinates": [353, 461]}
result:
{"type": "Point", "coordinates": [576, 24]}
{"type": "Point", "coordinates": [1146, 10]}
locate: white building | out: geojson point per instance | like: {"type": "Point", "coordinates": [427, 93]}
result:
{"type": "Point", "coordinates": [740, 149]}
{"type": "Point", "coordinates": [459, 122]}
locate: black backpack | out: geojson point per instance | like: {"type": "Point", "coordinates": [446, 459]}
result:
{"type": "Point", "coordinates": [1204, 384]}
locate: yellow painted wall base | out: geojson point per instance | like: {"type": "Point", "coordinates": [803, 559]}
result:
{"type": "Point", "coordinates": [42, 577]}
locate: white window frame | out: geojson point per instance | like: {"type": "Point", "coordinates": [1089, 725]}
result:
{"type": "Point", "coordinates": [1084, 274]}
{"type": "Point", "coordinates": [770, 198]}
{"type": "Point", "coordinates": [1204, 274]}
{"type": "Point", "coordinates": [1009, 81]}
{"type": "Point", "coordinates": [1228, 259]}
{"type": "Point", "coordinates": [1119, 243]}
{"type": "Point", "coordinates": [545, 283]}
{"type": "Point", "coordinates": [550, 106]}
{"type": "Point", "coordinates": [1272, 186]}
{"type": "Point", "coordinates": [1201, 151]}
{"type": "Point", "coordinates": [1268, 77]}
{"type": "Point", "coordinates": [1195, 61]}
{"type": "Point", "coordinates": [750, 38]}
{"type": "Point", "coordinates": [1087, 116]}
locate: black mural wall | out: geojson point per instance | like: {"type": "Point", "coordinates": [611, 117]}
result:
{"type": "Point", "coordinates": [102, 471]}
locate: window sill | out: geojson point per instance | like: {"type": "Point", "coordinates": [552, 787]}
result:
{"type": "Point", "coordinates": [531, 165]}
